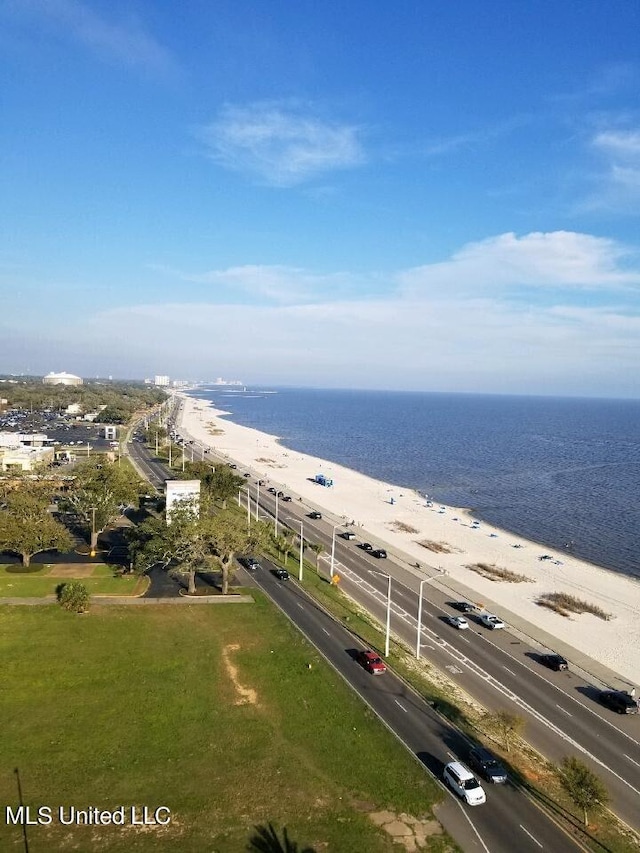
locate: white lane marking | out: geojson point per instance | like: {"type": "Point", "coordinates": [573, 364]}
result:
{"type": "Point", "coordinates": [466, 639]}
{"type": "Point", "coordinates": [531, 836]}
{"type": "Point", "coordinates": [564, 710]}
{"type": "Point", "coordinates": [509, 670]}
{"type": "Point", "coordinates": [632, 760]}
{"type": "Point", "coordinates": [299, 605]}
{"type": "Point", "coordinates": [326, 632]}
{"type": "Point", "coordinates": [460, 658]}
{"type": "Point", "coordinates": [400, 706]}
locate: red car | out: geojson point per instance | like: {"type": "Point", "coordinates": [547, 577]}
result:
{"type": "Point", "coordinates": [372, 662]}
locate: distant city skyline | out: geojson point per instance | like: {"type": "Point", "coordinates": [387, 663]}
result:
{"type": "Point", "coordinates": [437, 198]}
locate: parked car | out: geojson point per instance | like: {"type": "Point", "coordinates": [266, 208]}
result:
{"type": "Point", "coordinates": [271, 490]}
{"type": "Point", "coordinates": [490, 621]}
{"type": "Point", "coordinates": [286, 498]}
{"type": "Point", "coordinates": [619, 700]}
{"type": "Point", "coordinates": [462, 606]}
{"type": "Point", "coordinates": [463, 783]}
{"type": "Point", "coordinates": [230, 464]}
{"type": "Point", "coordinates": [487, 765]}
{"type": "Point", "coordinates": [458, 622]}
{"type": "Point", "coordinates": [366, 546]}
{"type": "Point", "coordinates": [380, 553]}
{"type": "Point", "coordinates": [315, 514]}
{"type": "Point", "coordinates": [280, 494]}
{"type": "Point", "coordinates": [348, 534]}
{"type": "Point", "coordinates": [372, 662]}
{"type": "Point", "coordinates": [556, 662]}
{"type": "Point", "coordinates": [281, 574]}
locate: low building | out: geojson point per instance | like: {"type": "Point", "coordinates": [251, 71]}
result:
{"type": "Point", "coordinates": [14, 440]}
{"type": "Point", "coordinates": [61, 379]}
{"type": "Point", "coordinates": [24, 458]}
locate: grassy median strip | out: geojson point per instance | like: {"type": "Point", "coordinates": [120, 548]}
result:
{"type": "Point", "coordinates": [212, 712]}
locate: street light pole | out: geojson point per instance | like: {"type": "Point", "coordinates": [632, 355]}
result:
{"type": "Point", "coordinates": [422, 583]}
{"type": "Point", "coordinates": [386, 642]}
{"type": "Point", "coordinates": [301, 549]}
{"type": "Point", "coordinates": [257, 500]}
{"type": "Point", "coordinates": [275, 527]}
{"type": "Point", "coordinates": [333, 548]}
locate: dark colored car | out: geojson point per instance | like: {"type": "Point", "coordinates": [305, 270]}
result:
{"type": "Point", "coordinates": [380, 553]}
{"type": "Point", "coordinates": [271, 490]}
{"type": "Point", "coordinates": [556, 662]}
{"type": "Point", "coordinates": [348, 534]}
{"type": "Point", "coordinates": [367, 546]}
{"type": "Point", "coordinates": [619, 700]}
{"type": "Point", "coordinates": [280, 494]}
{"type": "Point", "coordinates": [372, 662]}
{"type": "Point", "coordinates": [250, 563]}
{"type": "Point", "coordinates": [462, 606]}
{"type": "Point", "coordinates": [281, 574]}
{"type": "Point", "coordinates": [247, 474]}
{"type": "Point", "coordinates": [286, 498]}
{"type": "Point", "coordinates": [231, 464]}
{"type": "Point", "coordinates": [487, 765]}
{"type": "Point", "coordinates": [261, 482]}
{"type": "Point", "coordinates": [315, 514]}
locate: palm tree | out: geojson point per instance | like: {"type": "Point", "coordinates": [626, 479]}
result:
{"type": "Point", "coordinates": [317, 548]}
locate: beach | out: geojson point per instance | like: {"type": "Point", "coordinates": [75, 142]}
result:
{"type": "Point", "coordinates": [500, 570]}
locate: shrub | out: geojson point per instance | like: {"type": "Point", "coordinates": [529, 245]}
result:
{"type": "Point", "coordinates": [74, 596]}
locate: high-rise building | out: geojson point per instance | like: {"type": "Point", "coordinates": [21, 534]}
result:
{"type": "Point", "coordinates": [161, 381]}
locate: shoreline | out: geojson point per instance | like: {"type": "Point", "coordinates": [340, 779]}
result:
{"type": "Point", "coordinates": [448, 540]}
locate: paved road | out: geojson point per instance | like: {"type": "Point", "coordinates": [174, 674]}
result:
{"type": "Point", "coordinates": [496, 667]}
{"type": "Point", "coordinates": [508, 821]}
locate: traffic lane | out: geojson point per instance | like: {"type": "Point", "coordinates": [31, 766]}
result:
{"type": "Point", "coordinates": [553, 734]}
{"type": "Point", "coordinates": [610, 744]}
{"type": "Point", "coordinates": [425, 733]}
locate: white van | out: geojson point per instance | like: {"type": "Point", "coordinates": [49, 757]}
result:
{"type": "Point", "coordinates": [462, 782]}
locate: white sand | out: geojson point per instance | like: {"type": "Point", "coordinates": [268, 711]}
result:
{"type": "Point", "coordinates": [613, 643]}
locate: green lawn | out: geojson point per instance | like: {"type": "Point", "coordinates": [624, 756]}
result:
{"type": "Point", "coordinates": [126, 706]}
{"type": "Point", "coordinates": [38, 582]}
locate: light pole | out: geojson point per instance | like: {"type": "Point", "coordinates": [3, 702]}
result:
{"type": "Point", "coordinates": [248, 507]}
{"type": "Point", "coordinates": [257, 500]}
{"type": "Point", "coordinates": [301, 523]}
{"type": "Point", "coordinates": [422, 583]}
{"type": "Point", "coordinates": [388, 628]}
{"type": "Point", "coordinates": [275, 526]}
{"type": "Point", "coordinates": [333, 547]}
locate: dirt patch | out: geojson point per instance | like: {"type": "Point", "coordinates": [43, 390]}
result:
{"type": "Point", "coordinates": [246, 695]}
{"type": "Point", "coordinates": [495, 573]}
{"type": "Point", "coordinates": [405, 829]}
{"type": "Point", "coordinates": [438, 547]}
{"type": "Point", "coordinates": [270, 463]}
{"type": "Point", "coordinates": [402, 527]}
{"type": "Point", "coordinates": [71, 570]}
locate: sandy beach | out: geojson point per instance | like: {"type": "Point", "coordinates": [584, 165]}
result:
{"type": "Point", "coordinates": [447, 541]}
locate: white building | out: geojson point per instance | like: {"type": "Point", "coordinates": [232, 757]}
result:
{"type": "Point", "coordinates": [61, 379]}
{"type": "Point", "coordinates": [161, 381]}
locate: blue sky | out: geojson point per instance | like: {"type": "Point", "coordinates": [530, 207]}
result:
{"type": "Point", "coordinates": [417, 195]}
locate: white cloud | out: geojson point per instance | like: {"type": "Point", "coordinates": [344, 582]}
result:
{"type": "Point", "coordinates": [280, 144]}
{"type": "Point", "coordinates": [559, 259]}
{"type": "Point", "coordinates": [124, 42]}
{"type": "Point", "coordinates": [619, 183]}
{"type": "Point", "coordinates": [427, 331]}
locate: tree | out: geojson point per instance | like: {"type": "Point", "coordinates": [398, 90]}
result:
{"type": "Point", "coordinates": [317, 548]}
{"type": "Point", "coordinates": [187, 542]}
{"type": "Point", "coordinates": [27, 528]}
{"type": "Point", "coordinates": [505, 725]}
{"type": "Point", "coordinates": [284, 543]}
{"type": "Point", "coordinates": [230, 536]}
{"type": "Point", "coordinates": [99, 493]}
{"type": "Point", "coordinates": [267, 840]}
{"type": "Point", "coordinates": [587, 790]}
{"type": "Point", "coordinates": [74, 596]}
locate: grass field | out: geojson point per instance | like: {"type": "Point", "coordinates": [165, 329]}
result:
{"type": "Point", "coordinates": [43, 579]}
{"type": "Point", "coordinates": [208, 710]}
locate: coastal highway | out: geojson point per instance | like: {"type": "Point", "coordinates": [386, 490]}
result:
{"type": "Point", "coordinates": [561, 711]}
{"type": "Point", "coordinates": [496, 667]}
{"type": "Point", "coordinates": [508, 821]}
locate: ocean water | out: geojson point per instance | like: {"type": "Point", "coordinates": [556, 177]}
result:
{"type": "Point", "coordinates": [564, 472]}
